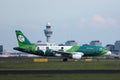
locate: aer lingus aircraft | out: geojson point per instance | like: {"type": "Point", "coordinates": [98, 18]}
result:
{"type": "Point", "coordinates": [73, 52]}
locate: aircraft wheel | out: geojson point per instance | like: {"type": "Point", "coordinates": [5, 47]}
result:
{"type": "Point", "coordinates": [65, 59]}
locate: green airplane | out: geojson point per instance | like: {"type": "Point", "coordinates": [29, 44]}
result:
{"type": "Point", "coordinates": [73, 52]}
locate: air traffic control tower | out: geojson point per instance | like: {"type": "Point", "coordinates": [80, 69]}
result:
{"type": "Point", "coordinates": [48, 32]}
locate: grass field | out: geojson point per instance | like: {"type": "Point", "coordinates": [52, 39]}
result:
{"type": "Point", "coordinates": [57, 64]}
{"type": "Point", "coordinates": [61, 77]}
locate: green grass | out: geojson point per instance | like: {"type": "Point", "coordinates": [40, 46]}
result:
{"type": "Point", "coordinates": [61, 77]}
{"type": "Point", "coordinates": [57, 64]}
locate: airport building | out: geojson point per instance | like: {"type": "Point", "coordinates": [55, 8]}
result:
{"type": "Point", "coordinates": [110, 47]}
{"type": "Point", "coordinates": [114, 48]}
{"type": "Point", "coordinates": [85, 44]}
{"type": "Point", "coordinates": [71, 43]}
{"type": "Point", "coordinates": [61, 44]}
{"type": "Point", "coordinates": [41, 43]}
{"type": "Point", "coordinates": [117, 45]}
{"type": "Point", "coordinates": [96, 43]}
{"type": "Point", "coordinates": [1, 49]}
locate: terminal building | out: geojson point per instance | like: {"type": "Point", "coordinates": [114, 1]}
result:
{"type": "Point", "coordinates": [110, 47]}
{"type": "Point", "coordinates": [1, 49]}
{"type": "Point", "coordinates": [114, 48]}
{"type": "Point", "coordinates": [96, 43]}
{"type": "Point", "coordinates": [117, 45]}
{"type": "Point", "coordinates": [71, 43]}
{"type": "Point", "coordinates": [41, 43]}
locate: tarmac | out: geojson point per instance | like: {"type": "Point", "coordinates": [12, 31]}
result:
{"type": "Point", "coordinates": [2, 72]}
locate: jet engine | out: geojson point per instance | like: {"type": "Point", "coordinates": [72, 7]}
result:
{"type": "Point", "coordinates": [77, 55]}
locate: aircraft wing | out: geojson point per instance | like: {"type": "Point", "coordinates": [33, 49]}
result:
{"type": "Point", "coordinates": [63, 54]}
{"type": "Point", "coordinates": [73, 55]}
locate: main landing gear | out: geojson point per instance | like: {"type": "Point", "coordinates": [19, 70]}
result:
{"type": "Point", "coordinates": [65, 59]}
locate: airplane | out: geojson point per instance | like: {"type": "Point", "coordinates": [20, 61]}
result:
{"type": "Point", "coordinates": [66, 52]}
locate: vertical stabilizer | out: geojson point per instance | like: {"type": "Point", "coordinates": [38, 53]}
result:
{"type": "Point", "coordinates": [22, 40]}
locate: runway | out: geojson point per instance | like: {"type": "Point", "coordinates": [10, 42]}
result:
{"type": "Point", "coordinates": [58, 71]}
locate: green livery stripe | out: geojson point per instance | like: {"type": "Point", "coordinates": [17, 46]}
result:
{"type": "Point", "coordinates": [104, 52]}
{"type": "Point", "coordinates": [73, 49]}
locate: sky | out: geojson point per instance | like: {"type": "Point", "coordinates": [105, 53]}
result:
{"type": "Point", "coordinates": [79, 20]}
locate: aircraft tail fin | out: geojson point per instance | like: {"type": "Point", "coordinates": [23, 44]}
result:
{"type": "Point", "coordinates": [21, 38]}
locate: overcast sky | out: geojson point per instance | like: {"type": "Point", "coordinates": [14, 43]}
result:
{"type": "Point", "coordinates": [80, 20]}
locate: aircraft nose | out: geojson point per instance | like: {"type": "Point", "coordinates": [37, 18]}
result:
{"type": "Point", "coordinates": [108, 53]}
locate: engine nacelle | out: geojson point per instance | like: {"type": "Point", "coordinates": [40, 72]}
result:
{"type": "Point", "coordinates": [77, 55]}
